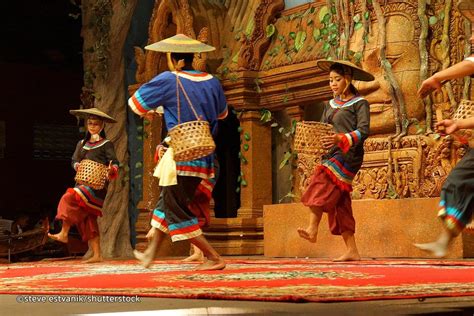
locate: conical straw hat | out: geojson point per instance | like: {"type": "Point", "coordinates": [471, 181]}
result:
{"type": "Point", "coordinates": [85, 113]}
{"type": "Point", "coordinates": [357, 73]}
{"type": "Point", "coordinates": [180, 43]}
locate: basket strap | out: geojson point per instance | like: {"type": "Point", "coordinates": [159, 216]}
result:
{"type": "Point", "coordinates": [178, 82]}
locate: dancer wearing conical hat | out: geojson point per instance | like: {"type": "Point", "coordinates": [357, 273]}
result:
{"type": "Point", "coordinates": [94, 159]}
{"type": "Point", "coordinates": [331, 183]}
{"type": "Point", "coordinates": [201, 97]}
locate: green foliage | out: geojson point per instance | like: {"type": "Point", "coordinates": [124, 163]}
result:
{"type": "Point", "coordinates": [270, 30]}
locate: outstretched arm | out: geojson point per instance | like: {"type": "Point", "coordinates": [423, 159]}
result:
{"type": "Point", "coordinates": [462, 69]}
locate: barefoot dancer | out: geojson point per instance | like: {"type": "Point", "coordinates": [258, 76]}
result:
{"type": "Point", "coordinates": [200, 207]}
{"type": "Point", "coordinates": [204, 93]}
{"type": "Point", "coordinates": [81, 205]}
{"type": "Point", "coordinates": [331, 183]}
{"type": "Point", "coordinates": [457, 195]}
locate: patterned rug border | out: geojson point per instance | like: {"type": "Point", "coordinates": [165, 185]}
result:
{"type": "Point", "coordinates": [308, 291]}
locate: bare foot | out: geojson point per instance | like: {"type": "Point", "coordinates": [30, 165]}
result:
{"type": "Point", "coordinates": [93, 259]}
{"type": "Point", "coordinates": [145, 258]}
{"type": "Point", "coordinates": [197, 256]}
{"type": "Point", "coordinates": [348, 256]}
{"type": "Point", "coordinates": [218, 264]}
{"type": "Point", "coordinates": [59, 237]}
{"type": "Point", "coordinates": [308, 234]}
{"type": "Point", "coordinates": [437, 249]}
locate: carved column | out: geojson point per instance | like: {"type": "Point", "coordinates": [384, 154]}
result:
{"type": "Point", "coordinates": [296, 113]}
{"type": "Point", "coordinates": [258, 169]}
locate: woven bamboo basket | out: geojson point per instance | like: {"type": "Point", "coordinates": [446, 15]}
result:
{"type": "Point", "coordinates": [308, 137]}
{"type": "Point", "coordinates": [92, 174]}
{"type": "Point", "coordinates": [191, 140]}
{"type": "Point", "coordinates": [465, 110]}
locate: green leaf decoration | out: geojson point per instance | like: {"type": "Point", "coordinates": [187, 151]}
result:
{"type": "Point", "coordinates": [285, 99]}
{"type": "Point", "coordinates": [274, 124]}
{"type": "Point", "coordinates": [327, 18]}
{"type": "Point", "coordinates": [358, 57]}
{"type": "Point", "coordinates": [366, 15]}
{"type": "Point", "coordinates": [441, 15]}
{"type": "Point", "coordinates": [270, 30]}
{"type": "Point", "coordinates": [265, 116]}
{"type": "Point", "coordinates": [309, 22]}
{"type": "Point", "coordinates": [299, 41]}
{"type": "Point", "coordinates": [436, 136]}
{"type": "Point", "coordinates": [239, 129]}
{"type": "Point", "coordinates": [246, 147]}
{"type": "Point", "coordinates": [139, 128]}
{"type": "Point", "coordinates": [240, 155]}
{"type": "Point", "coordinates": [280, 130]}
{"type": "Point", "coordinates": [235, 59]}
{"type": "Point", "coordinates": [138, 165]}
{"type": "Point", "coordinates": [293, 35]}
{"type": "Point", "coordinates": [323, 12]}
{"type": "Point", "coordinates": [316, 34]}
{"type": "Point", "coordinates": [237, 190]}
{"type": "Point", "coordinates": [358, 26]}
{"type": "Point", "coordinates": [244, 160]}
{"type": "Point", "coordinates": [146, 122]}
{"type": "Point", "coordinates": [247, 136]}
{"type": "Point", "coordinates": [239, 178]}
{"type": "Point", "coordinates": [138, 176]}
{"type": "Point", "coordinates": [324, 31]}
{"type": "Point", "coordinates": [250, 27]}
{"type": "Point", "coordinates": [433, 20]}
{"type": "Point", "coordinates": [326, 47]}
{"type": "Point", "coordinates": [356, 18]}
{"type": "Point", "coordinates": [244, 183]}
{"type": "Point", "coordinates": [285, 159]}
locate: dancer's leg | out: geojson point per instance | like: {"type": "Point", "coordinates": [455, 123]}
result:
{"type": "Point", "coordinates": [95, 245]}
{"type": "Point", "coordinates": [438, 248]}
{"type": "Point", "coordinates": [311, 232]}
{"type": "Point", "coordinates": [352, 254]}
{"type": "Point", "coordinates": [154, 237]}
{"type": "Point", "coordinates": [62, 236]}
{"type": "Point", "coordinates": [214, 260]}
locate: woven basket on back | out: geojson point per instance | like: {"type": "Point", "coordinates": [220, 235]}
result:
{"type": "Point", "coordinates": [92, 174]}
{"type": "Point", "coordinates": [465, 110]}
{"type": "Point", "coordinates": [190, 140]}
{"type": "Point", "coordinates": [308, 137]}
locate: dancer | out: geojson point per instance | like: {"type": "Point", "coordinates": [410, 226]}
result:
{"type": "Point", "coordinates": [173, 214]}
{"type": "Point", "coordinates": [457, 194]}
{"type": "Point", "coordinates": [200, 207]}
{"type": "Point", "coordinates": [80, 206]}
{"type": "Point", "coordinates": [331, 183]}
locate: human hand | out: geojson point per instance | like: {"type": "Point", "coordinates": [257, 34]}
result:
{"type": "Point", "coordinates": [150, 115]}
{"type": "Point", "coordinates": [450, 126]}
{"type": "Point", "coordinates": [428, 86]}
{"type": "Point", "coordinates": [330, 141]}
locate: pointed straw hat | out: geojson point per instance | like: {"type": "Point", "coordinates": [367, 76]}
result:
{"type": "Point", "coordinates": [357, 73]}
{"type": "Point", "coordinates": [86, 113]}
{"type": "Point", "coordinates": [180, 43]}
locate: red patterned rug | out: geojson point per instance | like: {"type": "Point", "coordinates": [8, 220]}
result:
{"type": "Point", "coordinates": [296, 280]}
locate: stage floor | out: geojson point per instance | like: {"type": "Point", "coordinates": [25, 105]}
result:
{"type": "Point", "coordinates": [251, 285]}
{"type": "Point", "coordinates": [461, 306]}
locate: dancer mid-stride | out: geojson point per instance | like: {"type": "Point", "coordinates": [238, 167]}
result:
{"type": "Point", "coordinates": [331, 183]}
{"type": "Point", "coordinates": [80, 206]}
{"type": "Point", "coordinates": [457, 195]}
{"type": "Point", "coordinates": [201, 96]}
